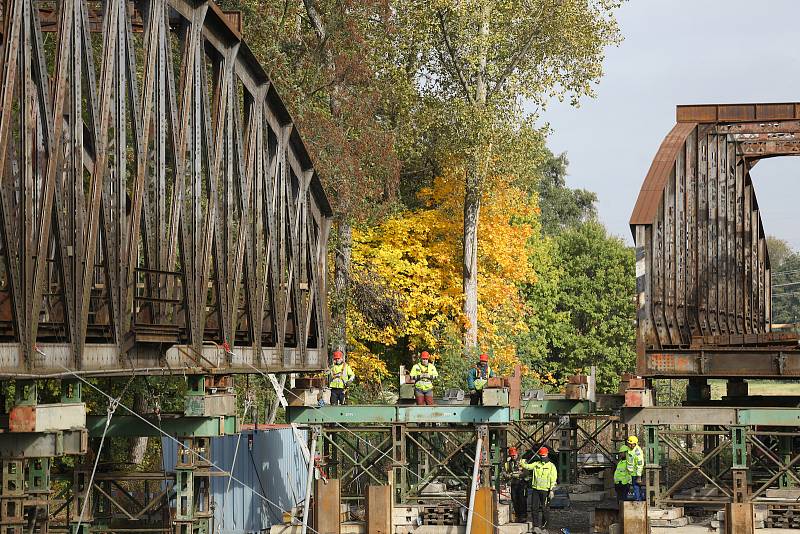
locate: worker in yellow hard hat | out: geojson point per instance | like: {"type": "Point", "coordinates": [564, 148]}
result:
{"type": "Point", "coordinates": [635, 459]}
{"type": "Point", "coordinates": [622, 477]}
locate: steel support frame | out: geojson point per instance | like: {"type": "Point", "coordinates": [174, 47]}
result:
{"type": "Point", "coordinates": [169, 204]}
{"type": "Point", "coordinates": [413, 455]}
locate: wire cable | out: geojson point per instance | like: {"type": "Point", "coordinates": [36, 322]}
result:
{"type": "Point", "coordinates": [193, 452]}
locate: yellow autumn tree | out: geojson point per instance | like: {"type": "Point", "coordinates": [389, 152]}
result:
{"type": "Point", "coordinates": [416, 256]}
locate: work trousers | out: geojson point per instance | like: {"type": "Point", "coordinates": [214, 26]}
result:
{"type": "Point", "coordinates": [638, 489]}
{"type": "Point", "coordinates": [476, 398]}
{"type": "Point", "coordinates": [540, 507]}
{"type": "Point", "coordinates": [622, 491]}
{"type": "Point", "coordinates": [519, 499]}
{"type": "Point", "coordinates": [337, 396]}
{"type": "Point", "coordinates": [424, 397]}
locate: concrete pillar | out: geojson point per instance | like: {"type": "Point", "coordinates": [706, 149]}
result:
{"type": "Point", "coordinates": [737, 387]}
{"type": "Point", "coordinates": [698, 390]}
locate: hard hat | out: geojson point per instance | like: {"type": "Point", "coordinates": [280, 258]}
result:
{"type": "Point", "coordinates": [425, 355]}
{"type": "Point", "coordinates": [512, 450]}
{"type": "Point", "coordinates": [484, 357]}
{"type": "Point", "coordinates": [544, 451]}
{"type": "Point", "coordinates": [337, 355]}
{"type": "Point", "coordinates": [623, 448]}
{"type": "Point", "coordinates": [633, 440]}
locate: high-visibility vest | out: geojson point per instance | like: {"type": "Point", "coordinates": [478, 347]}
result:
{"type": "Point", "coordinates": [513, 469]}
{"type": "Point", "coordinates": [482, 378]}
{"type": "Point", "coordinates": [340, 375]}
{"type": "Point", "coordinates": [545, 474]}
{"type": "Point", "coordinates": [621, 473]}
{"type": "Point", "coordinates": [424, 384]}
{"type": "Point", "coordinates": [635, 460]}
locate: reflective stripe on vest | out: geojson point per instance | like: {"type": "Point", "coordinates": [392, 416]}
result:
{"type": "Point", "coordinates": [423, 384]}
{"type": "Point", "coordinates": [338, 375]}
{"type": "Point", "coordinates": [544, 476]}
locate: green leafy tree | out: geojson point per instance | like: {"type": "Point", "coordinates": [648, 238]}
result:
{"type": "Point", "coordinates": [330, 61]}
{"type": "Point", "coordinates": [562, 207]}
{"type": "Point", "coordinates": [589, 314]}
{"type": "Point", "coordinates": [785, 270]}
{"type": "Point", "coordinates": [477, 61]}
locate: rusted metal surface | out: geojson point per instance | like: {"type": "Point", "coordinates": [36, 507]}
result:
{"type": "Point", "coordinates": [702, 264]}
{"type": "Point", "coordinates": [155, 192]}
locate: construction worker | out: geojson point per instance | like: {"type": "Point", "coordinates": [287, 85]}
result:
{"type": "Point", "coordinates": [477, 379]}
{"type": "Point", "coordinates": [515, 476]}
{"type": "Point", "coordinates": [340, 376]}
{"type": "Point", "coordinates": [622, 477]}
{"type": "Point", "coordinates": [423, 374]}
{"type": "Point", "coordinates": [635, 459]}
{"type": "Point", "coordinates": [543, 480]}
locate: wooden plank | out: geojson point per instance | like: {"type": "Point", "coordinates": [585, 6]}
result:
{"type": "Point", "coordinates": [483, 516]}
{"type": "Point", "coordinates": [327, 505]}
{"type": "Point", "coordinates": [379, 510]}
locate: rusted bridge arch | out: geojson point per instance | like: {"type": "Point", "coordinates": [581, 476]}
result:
{"type": "Point", "coordinates": [156, 198]}
{"type": "Point", "coordinates": [702, 264]}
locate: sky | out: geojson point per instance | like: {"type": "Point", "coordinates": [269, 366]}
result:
{"type": "Point", "coordinates": [681, 52]}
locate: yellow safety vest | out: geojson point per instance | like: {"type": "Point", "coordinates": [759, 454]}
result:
{"type": "Point", "coordinates": [424, 384]}
{"type": "Point", "coordinates": [545, 474]}
{"type": "Point", "coordinates": [635, 460]}
{"type": "Point", "coordinates": [481, 382]}
{"type": "Point", "coordinates": [621, 474]}
{"type": "Point", "coordinates": [340, 375]}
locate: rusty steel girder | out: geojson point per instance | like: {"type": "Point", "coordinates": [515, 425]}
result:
{"type": "Point", "coordinates": [702, 264]}
{"type": "Point", "coordinates": [154, 194]}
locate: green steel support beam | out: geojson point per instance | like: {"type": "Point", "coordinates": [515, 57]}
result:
{"type": "Point", "coordinates": [397, 414]}
{"type": "Point", "coordinates": [652, 464]}
{"type": "Point", "coordinates": [129, 425]}
{"type": "Point", "coordinates": [559, 406]}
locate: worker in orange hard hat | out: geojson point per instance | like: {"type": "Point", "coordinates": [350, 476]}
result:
{"type": "Point", "coordinates": [340, 376]}
{"type": "Point", "coordinates": [423, 374]}
{"type": "Point", "coordinates": [477, 378]}
{"type": "Point", "coordinates": [544, 477]}
{"type": "Point", "coordinates": [514, 475]}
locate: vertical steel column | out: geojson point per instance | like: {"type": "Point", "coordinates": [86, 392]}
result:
{"type": "Point", "coordinates": [568, 450]}
{"type": "Point", "coordinates": [652, 464]}
{"type": "Point", "coordinates": [399, 462]}
{"type": "Point", "coordinates": [193, 513]}
{"type": "Point", "coordinates": [785, 455]}
{"type": "Point", "coordinates": [739, 464]}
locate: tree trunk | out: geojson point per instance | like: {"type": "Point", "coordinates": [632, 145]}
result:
{"type": "Point", "coordinates": [476, 175]}
{"type": "Point", "coordinates": [341, 284]}
{"type": "Point", "coordinates": [472, 208]}
{"type": "Point", "coordinates": [139, 445]}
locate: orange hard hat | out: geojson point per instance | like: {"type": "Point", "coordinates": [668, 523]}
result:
{"type": "Point", "coordinates": [544, 451]}
{"type": "Point", "coordinates": [484, 357]}
{"type": "Point", "coordinates": [425, 355]}
{"type": "Point", "coordinates": [337, 355]}
{"type": "Point", "coordinates": [512, 451]}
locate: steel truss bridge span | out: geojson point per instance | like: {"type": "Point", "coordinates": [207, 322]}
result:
{"type": "Point", "coordinates": [158, 207]}
{"type": "Point", "coordinates": [702, 264]}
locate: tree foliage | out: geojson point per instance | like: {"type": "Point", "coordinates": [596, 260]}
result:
{"type": "Point", "coordinates": [476, 61]}
{"type": "Point", "coordinates": [586, 318]}
{"type": "Point", "coordinates": [785, 269]}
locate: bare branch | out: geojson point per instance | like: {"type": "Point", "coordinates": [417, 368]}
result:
{"type": "Point", "coordinates": [451, 51]}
